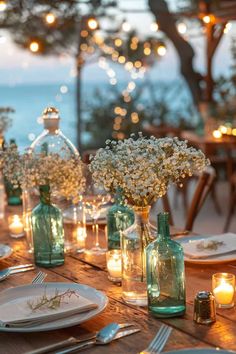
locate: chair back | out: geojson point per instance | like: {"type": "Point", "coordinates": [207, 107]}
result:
{"type": "Point", "coordinates": [204, 184]}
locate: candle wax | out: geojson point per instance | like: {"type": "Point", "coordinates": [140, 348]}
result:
{"type": "Point", "coordinates": [114, 267]}
{"type": "Point", "coordinates": [224, 293]}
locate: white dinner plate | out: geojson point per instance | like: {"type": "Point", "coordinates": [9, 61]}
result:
{"type": "Point", "coordinates": [200, 351]}
{"type": "Point", "coordinates": [15, 296]}
{"type": "Point", "coordinates": [5, 251]}
{"type": "Point", "coordinates": [220, 258]}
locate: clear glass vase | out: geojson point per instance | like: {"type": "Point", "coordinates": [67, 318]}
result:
{"type": "Point", "coordinates": [165, 273]}
{"type": "Point", "coordinates": [134, 242]}
{"type": "Point", "coordinates": [119, 218]}
{"type": "Point", "coordinates": [47, 231]}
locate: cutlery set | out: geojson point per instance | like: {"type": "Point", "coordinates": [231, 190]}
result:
{"type": "Point", "coordinates": [107, 334]}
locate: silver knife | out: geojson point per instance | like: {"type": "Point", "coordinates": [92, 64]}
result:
{"type": "Point", "coordinates": [88, 344]}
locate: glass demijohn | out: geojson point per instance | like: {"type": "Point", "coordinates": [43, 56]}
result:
{"type": "Point", "coordinates": [134, 242]}
{"type": "Point", "coordinates": [52, 140]}
{"type": "Point", "coordinates": [165, 273]}
{"type": "Point", "coordinates": [47, 230]}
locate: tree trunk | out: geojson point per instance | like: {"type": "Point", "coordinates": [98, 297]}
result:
{"type": "Point", "coordinates": [185, 52]}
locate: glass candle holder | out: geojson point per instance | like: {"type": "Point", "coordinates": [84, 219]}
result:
{"type": "Point", "coordinates": [114, 265]}
{"type": "Point", "coordinates": [223, 287]}
{"type": "Point", "coordinates": [16, 226]}
{"type": "Point", "coordinates": [81, 237]}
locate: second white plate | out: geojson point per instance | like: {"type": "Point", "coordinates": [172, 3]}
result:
{"type": "Point", "coordinates": [224, 258]}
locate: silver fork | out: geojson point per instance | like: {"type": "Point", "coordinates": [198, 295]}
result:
{"type": "Point", "coordinates": [39, 278]}
{"type": "Point", "coordinates": [159, 341]}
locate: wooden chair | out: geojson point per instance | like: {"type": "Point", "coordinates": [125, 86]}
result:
{"type": "Point", "coordinates": [203, 187]}
{"type": "Point", "coordinates": [232, 202]}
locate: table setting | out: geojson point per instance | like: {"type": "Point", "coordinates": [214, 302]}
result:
{"type": "Point", "coordinates": [122, 284]}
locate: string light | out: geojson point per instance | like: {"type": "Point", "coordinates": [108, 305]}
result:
{"type": "Point", "coordinates": [208, 19]}
{"type": "Point", "coordinates": [118, 42]}
{"type": "Point", "coordinates": [182, 28]}
{"type": "Point", "coordinates": [92, 23]}
{"type": "Point", "coordinates": [227, 27]}
{"type": "Point", "coordinates": [34, 46]}
{"type": "Point", "coordinates": [3, 6]}
{"type": "Point", "coordinates": [134, 117]}
{"type": "Point", "coordinates": [121, 59]}
{"type": "Point", "coordinates": [154, 27]}
{"type": "Point", "coordinates": [126, 26]}
{"type": "Point", "coordinates": [147, 51]}
{"type": "Point", "coordinates": [84, 33]}
{"type": "Point", "coordinates": [138, 64]}
{"type": "Point", "coordinates": [161, 50]}
{"type": "Point", "coordinates": [50, 18]}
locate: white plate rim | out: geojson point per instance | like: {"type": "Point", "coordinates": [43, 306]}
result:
{"type": "Point", "coordinates": [62, 323]}
{"type": "Point", "coordinates": [8, 252]}
{"type": "Point", "coordinates": [227, 258]}
{"type": "Point", "coordinates": [200, 351]}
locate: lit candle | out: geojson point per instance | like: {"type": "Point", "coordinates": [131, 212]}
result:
{"type": "Point", "coordinates": [114, 265]}
{"type": "Point", "coordinates": [81, 236]}
{"type": "Point", "coordinates": [16, 226]}
{"type": "Point", "coordinates": [223, 289]}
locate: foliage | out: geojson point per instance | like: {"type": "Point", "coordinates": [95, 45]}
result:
{"type": "Point", "coordinates": [5, 120]}
{"type": "Point", "coordinates": [150, 104]}
{"type": "Point", "coordinates": [144, 167]}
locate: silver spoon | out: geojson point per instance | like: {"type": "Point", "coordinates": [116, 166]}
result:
{"type": "Point", "coordinates": [4, 273]}
{"type": "Point", "coordinates": [105, 334]}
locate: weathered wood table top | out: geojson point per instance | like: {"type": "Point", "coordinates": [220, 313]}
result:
{"type": "Point", "coordinates": [91, 271]}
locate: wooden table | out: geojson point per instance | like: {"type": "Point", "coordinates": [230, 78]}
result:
{"type": "Point", "coordinates": [91, 271]}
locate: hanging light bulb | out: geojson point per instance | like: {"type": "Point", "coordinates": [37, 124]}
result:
{"type": "Point", "coordinates": [92, 23]}
{"type": "Point", "coordinates": [182, 28]}
{"type": "Point", "coordinates": [161, 50]}
{"type": "Point", "coordinates": [126, 26]}
{"type": "Point", "coordinates": [3, 5]}
{"type": "Point", "coordinates": [34, 46]}
{"type": "Point", "coordinates": [208, 19]}
{"type": "Point", "coordinates": [50, 18]}
{"type": "Point", "coordinates": [154, 27]}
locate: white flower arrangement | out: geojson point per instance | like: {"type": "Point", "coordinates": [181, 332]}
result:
{"type": "Point", "coordinates": [64, 176]}
{"type": "Point", "coordinates": [144, 167]}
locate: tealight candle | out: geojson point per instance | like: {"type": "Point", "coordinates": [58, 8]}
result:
{"type": "Point", "coordinates": [114, 265]}
{"type": "Point", "coordinates": [16, 226]}
{"type": "Point", "coordinates": [81, 236]}
{"type": "Point", "coordinates": [223, 285]}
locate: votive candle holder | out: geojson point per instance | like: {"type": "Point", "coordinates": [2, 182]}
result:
{"type": "Point", "coordinates": [114, 265]}
{"type": "Point", "coordinates": [16, 226]}
{"type": "Point", "coordinates": [223, 287]}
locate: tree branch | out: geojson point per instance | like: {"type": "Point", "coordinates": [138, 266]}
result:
{"type": "Point", "coordinates": [167, 25]}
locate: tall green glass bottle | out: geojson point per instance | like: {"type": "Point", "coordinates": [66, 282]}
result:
{"type": "Point", "coordinates": [165, 273]}
{"type": "Point", "coordinates": [48, 232]}
{"type": "Point", "coordinates": [119, 218]}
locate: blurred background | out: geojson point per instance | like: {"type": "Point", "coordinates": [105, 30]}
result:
{"type": "Point", "coordinates": [113, 67]}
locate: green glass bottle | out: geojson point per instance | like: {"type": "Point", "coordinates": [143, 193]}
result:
{"type": "Point", "coordinates": [119, 218]}
{"type": "Point", "coordinates": [14, 195]}
{"type": "Point", "coordinates": [48, 232]}
{"type": "Point", "coordinates": [165, 273]}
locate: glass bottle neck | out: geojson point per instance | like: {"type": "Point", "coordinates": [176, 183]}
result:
{"type": "Point", "coordinates": [163, 225]}
{"type": "Point", "coordinates": [142, 214]}
{"type": "Point", "coordinates": [45, 195]}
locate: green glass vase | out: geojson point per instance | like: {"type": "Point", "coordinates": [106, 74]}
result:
{"type": "Point", "coordinates": [165, 273]}
{"type": "Point", "coordinates": [14, 195]}
{"type": "Point", "coordinates": [119, 218]}
{"type": "Point", "coordinates": [47, 231]}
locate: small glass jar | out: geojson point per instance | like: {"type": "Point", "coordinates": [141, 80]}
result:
{"type": "Point", "coordinates": [114, 265]}
{"type": "Point", "coordinates": [16, 226]}
{"type": "Point", "coordinates": [223, 287]}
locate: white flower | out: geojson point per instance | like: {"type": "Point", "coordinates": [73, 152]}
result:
{"type": "Point", "coordinates": [144, 167]}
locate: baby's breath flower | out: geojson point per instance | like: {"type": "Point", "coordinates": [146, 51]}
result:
{"type": "Point", "coordinates": [145, 167]}
{"type": "Point", "coordinates": [65, 176]}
